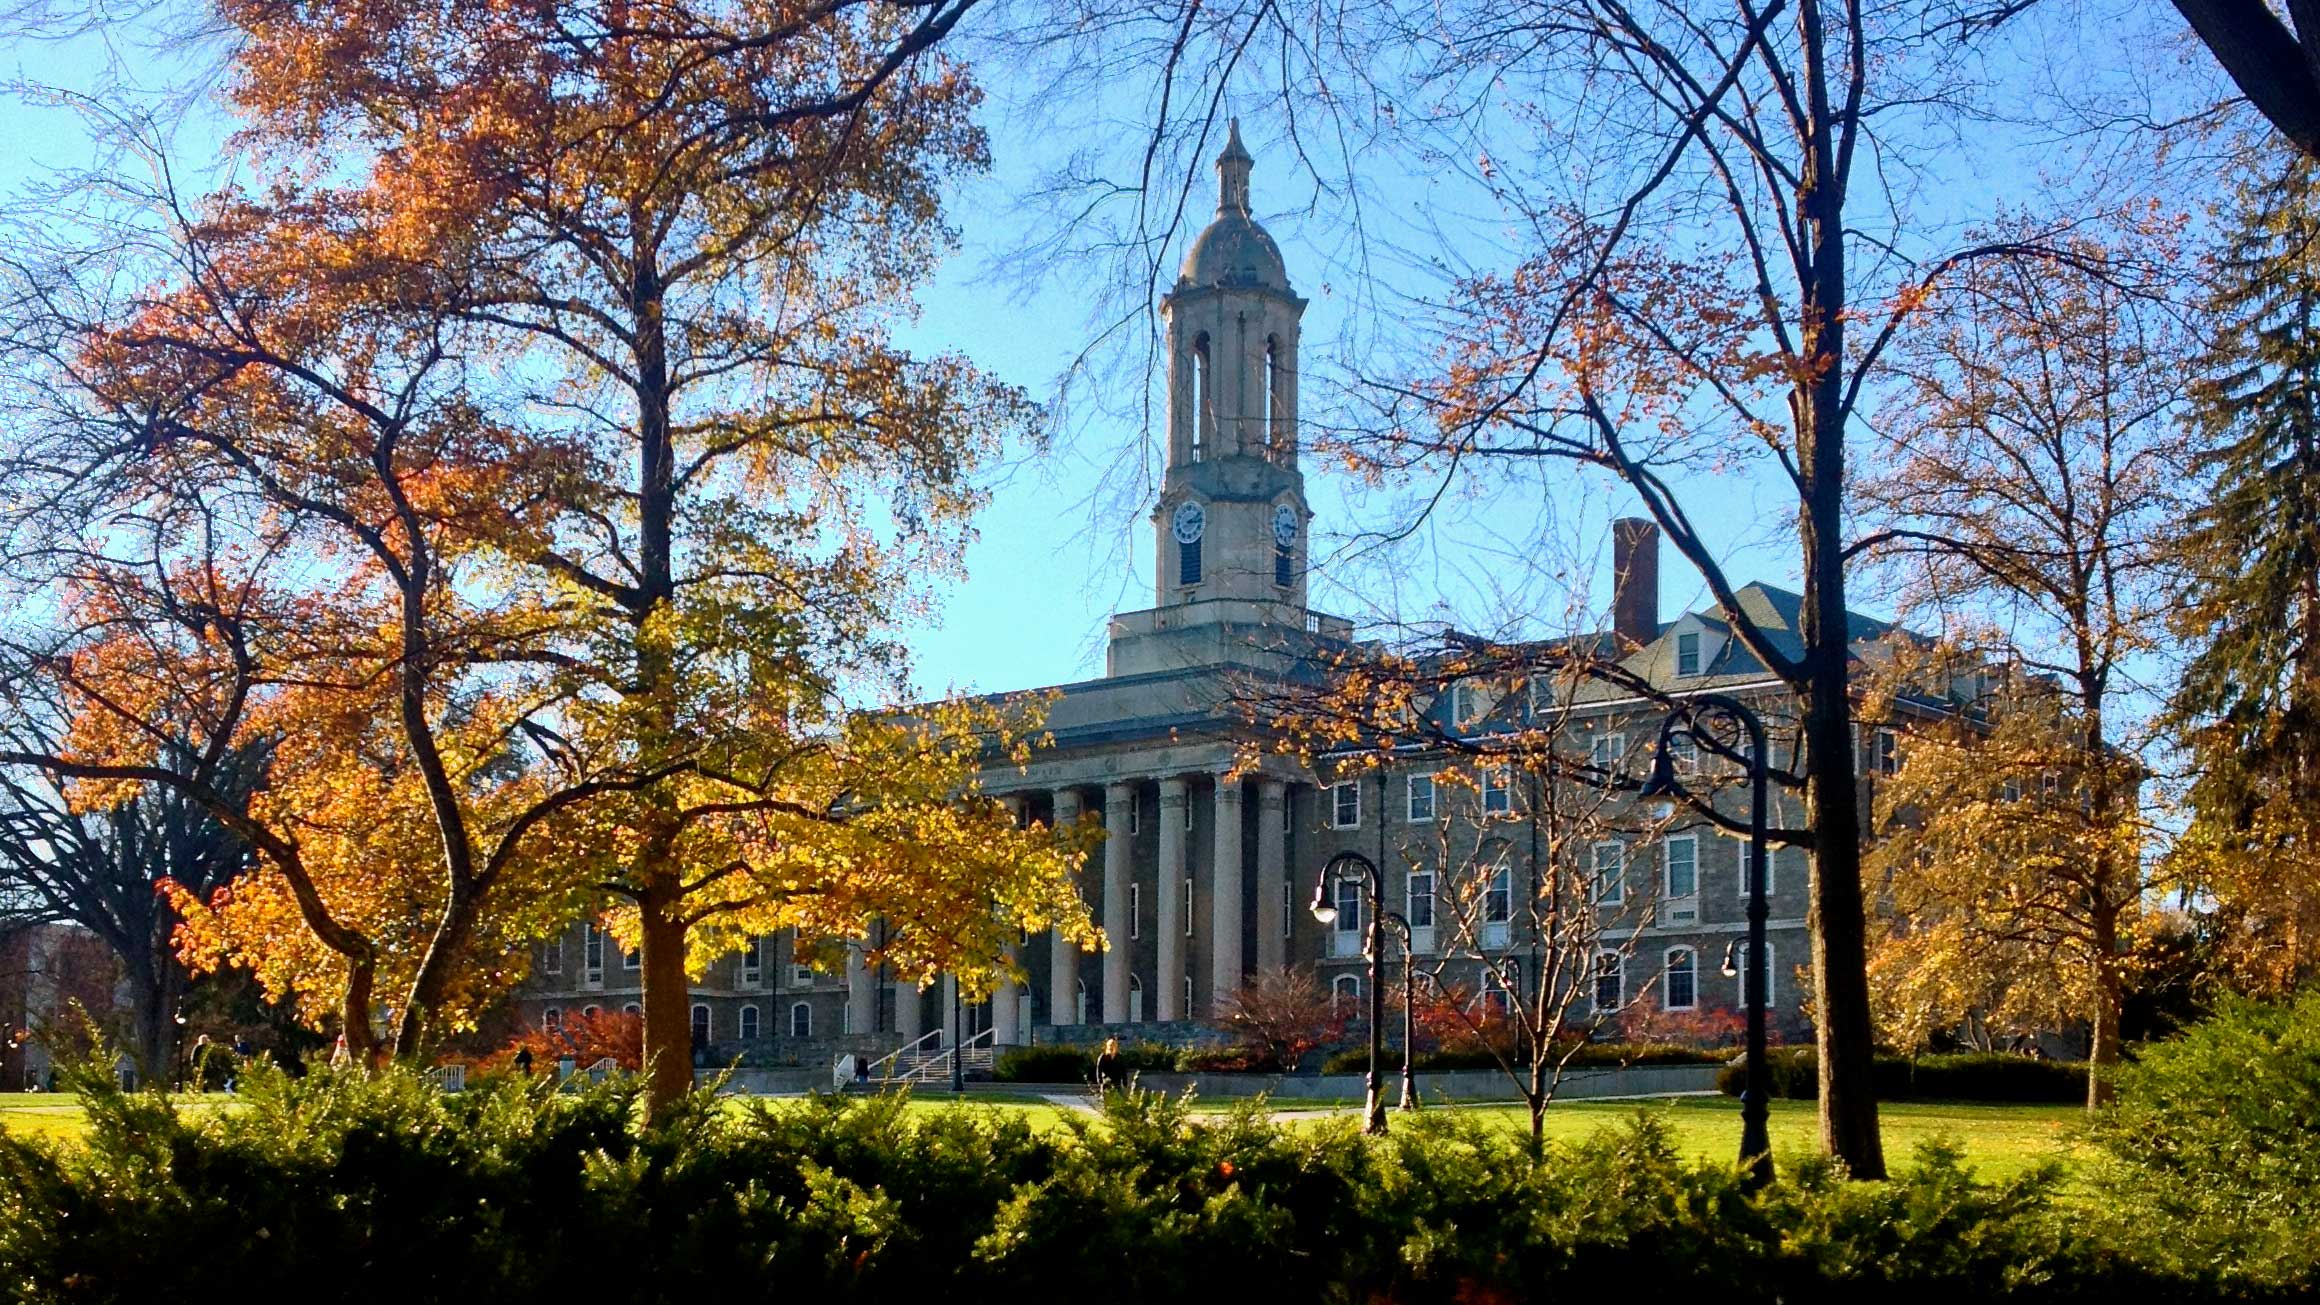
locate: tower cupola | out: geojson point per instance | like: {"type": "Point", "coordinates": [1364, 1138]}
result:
{"type": "Point", "coordinates": [1232, 517]}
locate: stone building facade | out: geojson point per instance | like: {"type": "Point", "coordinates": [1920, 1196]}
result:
{"type": "Point", "coordinates": [1208, 866]}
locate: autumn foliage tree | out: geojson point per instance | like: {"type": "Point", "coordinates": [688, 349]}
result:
{"type": "Point", "coordinates": [2026, 494]}
{"type": "Point", "coordinates": [636, 265]}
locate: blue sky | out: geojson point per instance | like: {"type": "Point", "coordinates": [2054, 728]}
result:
{"type": "Point", "coordinates": [1065, 541]}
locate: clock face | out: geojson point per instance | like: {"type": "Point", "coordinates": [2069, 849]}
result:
{"type": "Point", "coordinates": [1284, 525]}
{"type": "Point", "coordinates": [1189, 521]}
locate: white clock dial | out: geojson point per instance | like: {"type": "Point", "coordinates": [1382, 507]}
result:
{"type": "Point", "coordinates": [1284, 525]}
{"type": "Point", "coordinates": [1189, 521]}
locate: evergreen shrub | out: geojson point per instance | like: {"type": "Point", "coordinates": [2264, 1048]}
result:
{"type": "Point", "coordinates": [2216, 1138]}
{"type": "Point", "coordinates": [352, 1188]}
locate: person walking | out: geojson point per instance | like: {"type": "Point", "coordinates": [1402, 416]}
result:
{"type": "Point", "coordinates": [1107, 1065]}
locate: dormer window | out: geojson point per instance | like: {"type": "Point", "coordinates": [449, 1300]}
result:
{"type": "Point", "coordinates": [1688, 653]}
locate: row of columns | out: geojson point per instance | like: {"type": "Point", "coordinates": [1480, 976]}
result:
{"type": "Point", "coordinates": [1226, 967]}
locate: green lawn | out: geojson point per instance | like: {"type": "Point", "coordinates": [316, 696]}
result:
{"type": "Point", "coordinates": [1999, 1141]}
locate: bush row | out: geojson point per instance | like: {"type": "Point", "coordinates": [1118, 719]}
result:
{"type": "Point", "coordinates": [341, 1187]}
{"type": "Point", "coordinates": [1593, 1055]}
{"type": "Point", "coordinates": [1069, 1064]}
{"type": "Point", "coordinates": [1965, 1076]}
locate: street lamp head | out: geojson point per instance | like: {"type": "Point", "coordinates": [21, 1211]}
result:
{"type": "Point", "coordinates": [1731, 959]}
{"type": "Point", "coordinates": [1324, 912]}
{"type": "Point", "coordinates": [1660, 789]}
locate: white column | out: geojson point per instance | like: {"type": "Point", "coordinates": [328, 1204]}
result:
{"type": "Point", "coordinates": [1004, 1006]}
{"type": "Point", "coordinates": [861, 993]}
{"type": "Point", "coordinates": [907, 1024]}
{"type": "Point", "coordinates": [1062, 953]}
{"type": "Point", "coordinates": [1272, 872]}
{"type": "Point", "coordinates": [1224, 901]}
{"type": "Point", "coordinates": [1168, 985]}
{"type": "Point", "coordinates": [1119, 873]}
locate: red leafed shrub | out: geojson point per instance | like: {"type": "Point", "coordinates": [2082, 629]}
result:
{"type": "Point", "coordinates": [585, 1038]}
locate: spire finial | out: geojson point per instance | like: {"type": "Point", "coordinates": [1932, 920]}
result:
{"type": "Point", "coordinates": [1232, 173]}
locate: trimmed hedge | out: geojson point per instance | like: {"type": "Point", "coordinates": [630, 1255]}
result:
{"type": "Point", "coordinates": [1594, 1055]}
{"type": "Point", "coordinates": [1069, 1064]}
{"type": "Point", "coordinates": [345, 1188]}
{"type": "Point", "coordinates": [1965, 1076]}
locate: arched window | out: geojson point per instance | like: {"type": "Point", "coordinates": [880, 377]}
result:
{"type": "Point", "coordinates": [589, 1012]}
{"type": "Point", "coordinates": [749, 1029]}
{"type": "Point", "coordinates": [630, 1009]}
{"type": "Point", "coordinates": [1279, 437]}
{"type": "Point", "coordinates": [1135, 999]}
{"type": "Point", "coordinates": [1682, 978]}
{"type": "Point", "coordinates": [1079, 1002]}
{"type": "Point", "coordinates": [552, 1020]}
{"type": "Point", "coordinates": [1344, 989]}
{"type": "Point", "coordinates": [700, 1025]}
{"type": "Point", "coordinates": [801, 1020]}
{"type": "Point", "coordinates": [1203, 399]}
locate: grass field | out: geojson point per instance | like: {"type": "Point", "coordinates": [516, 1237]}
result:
{"type": "Point", "coordinates": [1999, 1141]}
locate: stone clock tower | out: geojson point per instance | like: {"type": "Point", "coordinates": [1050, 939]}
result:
{"type": "Point", "coordinates": [1231, 520]}
{"type": "Point", "coordinates": [1231, 524]}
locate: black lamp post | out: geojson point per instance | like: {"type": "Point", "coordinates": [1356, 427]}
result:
{"type": "Point", "coordinates": [1356, 868]}
{"type": "Point", "coordinates": [958, 1041]}
{"type": "Point", "coordinates": [1661, 790]}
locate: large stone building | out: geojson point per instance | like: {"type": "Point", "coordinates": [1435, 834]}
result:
{"type": "Point", "coordinates": [1203, 879]}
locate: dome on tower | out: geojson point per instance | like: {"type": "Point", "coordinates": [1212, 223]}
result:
{"type": "Point", "coordinates": [1234, 250]}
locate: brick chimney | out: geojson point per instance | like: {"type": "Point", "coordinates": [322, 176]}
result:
{"type": "Point", "coordinates": [1634, 582]}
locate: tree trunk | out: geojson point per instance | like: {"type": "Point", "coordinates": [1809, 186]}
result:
{"type": "Point", "coordinates": [1844, 1036]}
{"type": "Point", "coordinates": [354, 1014]}
{"type": "Point", "coordinates": [668, 1016]}
{"type": "Point", "coordinates": [2109, 997]}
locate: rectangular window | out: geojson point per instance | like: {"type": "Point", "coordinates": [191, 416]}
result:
{"type": "Point", "coordinates": [1188, 563]}
{"type": "Point", "coordinates": [753, 961]}
{"type": "Point", "coordinates": [552, 957]}
{"type": "Point", "coordinates": [1421, 799]}
{"type": "Point", "coordinates": [1421, 899]}
{"type": "Point", "coordinates": [1188, 1004]}
{"type": "Point", "coordinates": [802, 974]}
{"type": "Point", "coordinates": [1135, 910]}
{"type": "Point", "coordinates": [1684, 754]}
{"type": "Point", "coordinates": [1188, 906]}
{"type": "Point", "coordinates": [1683, 866]}
{"type": "Point", "coordinates": [1497, 793]}
{"type": "Point", "coordinates": [1888, 753]}
{"type": "Point", "coordinates": [1498, 899]}
{"type": "Point", "coordinates": [1607, 751]}
{"type": "Point", "coordinates": [1682, 979]}
{"type": "Point", "coordinates": [1345, 805]}
{"type": "Point", "coordinates": [630, 960]}
{"type": "Point", "coordinates": [1461, 706]}
{"type": "Point", "coordinates": [2011, 790]}
{"type": "Point", "coordinates": [1688, 654]}
{"type": "Point", "coordinates": [1610, 981]}
{"type": "Point", "coordinates": [1348, 906]}
{"type": "Point", "coordinates": [592, 952]}
{"type": "Point", "coordinates": [1610, 873]}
